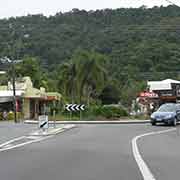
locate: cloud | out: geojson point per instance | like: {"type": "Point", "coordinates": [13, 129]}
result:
{"type": "Point", "coordinates": [49, 7]}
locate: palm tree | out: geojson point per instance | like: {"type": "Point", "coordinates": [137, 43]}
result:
{"type": "Point", "coordinates": [84, 77]}
{"type": "Point", "coordinates": [67, 80]}
{"type": "Point", "coordinates": [91, 75]}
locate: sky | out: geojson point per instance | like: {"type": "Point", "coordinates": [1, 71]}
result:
{"type": "Point", "coordinates": [9, 8]}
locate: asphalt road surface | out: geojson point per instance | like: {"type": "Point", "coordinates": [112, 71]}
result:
{"type": "Point", "coordinates": [95, 152]}
{"type": "Point", "coordinates": [9, 130]}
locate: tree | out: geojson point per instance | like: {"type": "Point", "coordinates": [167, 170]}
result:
{"type": "Point", "coordinates": [67, 80]}
{"type": "Point", "coordinates": [110, 95]}
{"type": "Point", "coordinates": [91, 74]}
{"type": "Point", "coordinates": [30, 67]}
{"type": "Point", "coordinates": [84, 77]}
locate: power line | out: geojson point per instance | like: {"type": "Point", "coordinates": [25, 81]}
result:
{"type": "Point", "coordinates": [172, 3]}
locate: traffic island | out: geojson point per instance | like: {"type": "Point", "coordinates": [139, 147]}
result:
{"type": "Point", "coordinates": [52, 131]}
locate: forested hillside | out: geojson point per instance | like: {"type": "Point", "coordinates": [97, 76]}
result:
{"type": "Point", "coordinates": [136, 45]}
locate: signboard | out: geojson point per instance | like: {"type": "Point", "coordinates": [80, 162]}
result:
{"type": "Point", "coordinates": [43, 122]}
{"type": "Point", "coordinates": [75, 107]}
{"type": "Point", "coordinates": [149, 94]}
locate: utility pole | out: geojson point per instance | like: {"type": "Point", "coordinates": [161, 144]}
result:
{"type": "Point", "coordinates": [14, 91]}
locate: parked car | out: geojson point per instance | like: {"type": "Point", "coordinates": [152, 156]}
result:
{"type": "Point", "coordinates": [168, 113]}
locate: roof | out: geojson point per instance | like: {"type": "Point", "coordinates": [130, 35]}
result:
{"type": "Point", "coordinates": [162, 85]}
{"type": "Point", "coordinates": [171, 81]}
{"type": "Point", "coordinates": [34, 93]}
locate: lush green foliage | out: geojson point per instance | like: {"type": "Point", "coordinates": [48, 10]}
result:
{"type": "Point", "coordinates": [109, 111]}
{"type": "Point", "coordinates": [110, 95]}
{"type": "Point", "coordinates": [136, 45]}
{"type": "Point", "coordinates": [84, 78]}
{"type": "Point", "coordinates": [10, 116]}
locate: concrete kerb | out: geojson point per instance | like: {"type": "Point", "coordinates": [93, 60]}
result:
{"type": "Point", "coordinates": [93, 122]}
{"type": "Point", "coordinates": [52, 131]}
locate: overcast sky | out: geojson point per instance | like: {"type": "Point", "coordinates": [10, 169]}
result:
{"type": "Point", "coordinates": [10, 8]}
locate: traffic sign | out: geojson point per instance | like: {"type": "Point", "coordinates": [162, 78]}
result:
{"type": "Point", "coordinates": [75, 107]}
{"type": "Point", "coordinates": [149, 94]}
{"type": "Point", "coordinates": [43, 122]}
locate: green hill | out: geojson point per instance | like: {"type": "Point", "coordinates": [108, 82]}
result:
{"type": "Point", "coordinates": [139, 44]}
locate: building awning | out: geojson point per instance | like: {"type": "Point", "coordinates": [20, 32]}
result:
{"type": "Point", "coordinates": [53, 96]}
{"type": "Point", "coordinates": [8, 93]}
{"type": "Point", "coordinates": [7, 96]}
{"type": "Point", "coordinates": [6, 99]}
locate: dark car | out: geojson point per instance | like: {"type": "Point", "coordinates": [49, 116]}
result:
{"type": "Point", "coordinates": [167, 113]}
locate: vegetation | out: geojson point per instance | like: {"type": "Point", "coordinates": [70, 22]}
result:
{"type": "Point", "coordinates": [93, 113]}
{"type": "Point", "coordinates": [95, 57]}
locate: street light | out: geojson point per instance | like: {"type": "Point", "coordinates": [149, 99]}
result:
{"type": "Point", "coordinates": [12, 62]}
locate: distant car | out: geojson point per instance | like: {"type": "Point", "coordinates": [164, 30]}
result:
{"type": "Point", "coordinates": [168, 113]}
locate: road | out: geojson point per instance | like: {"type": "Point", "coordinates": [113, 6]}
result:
{"type": "Point", "coordinates": [9, 130]}
{"type": "Point", "coordinates": [95, 152]}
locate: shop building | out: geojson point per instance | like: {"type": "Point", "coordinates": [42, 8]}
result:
{"type": "Point", "coordinates": [30, 101]}
{"type": "Point", "coordinates": [158, 93]}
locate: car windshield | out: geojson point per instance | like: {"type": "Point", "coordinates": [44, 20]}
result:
{"type": "Point", "coordinates": [167, 108]}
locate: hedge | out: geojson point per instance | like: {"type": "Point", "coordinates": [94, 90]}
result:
{"type": "Point", "coordinates": [10, 115]}
{"type": "Point", "coordinates": [109, 112]}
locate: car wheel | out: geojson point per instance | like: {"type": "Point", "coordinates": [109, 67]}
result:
{"type": "Point", "coordinates": [174, 122]}
{"type": "Point", "coordinates": [153, 123]}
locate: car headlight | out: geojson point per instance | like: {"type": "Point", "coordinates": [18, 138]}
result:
{"type": "Point", "coordinates": [152, 116]}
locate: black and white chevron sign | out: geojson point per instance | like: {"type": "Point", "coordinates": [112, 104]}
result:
{"type": "Point", "coordinates": [75, 107]}
{"type": "Point", "coordinates": [43, 122]}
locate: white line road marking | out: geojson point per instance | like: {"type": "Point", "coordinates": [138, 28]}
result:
{"type": "Point", "coordinates": [11, 141]}
{"type": "Point", "coordinates": [21, 144]}
{"type": "Point", "coordinates": [145, 171]}
{"type": "Point", "coordinates": [30, 139]}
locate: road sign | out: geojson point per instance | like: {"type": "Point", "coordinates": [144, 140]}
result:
{"type": "Point", "coordinates": [43, 122]}
{"type": "Point", "coordinates": [75, 107]}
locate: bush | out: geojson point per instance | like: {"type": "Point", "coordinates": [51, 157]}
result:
{"type": "Point", "coordinates": [109, 112]}
{"type": "Point", "coordinates": [10, 115]}
{"type": "Point", "coordinates": [93, 112]}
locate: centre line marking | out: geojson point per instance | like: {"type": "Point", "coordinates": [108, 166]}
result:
{"type": "Point", "coordinates": [144, 169]}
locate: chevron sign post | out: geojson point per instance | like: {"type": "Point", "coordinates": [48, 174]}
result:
{"type": "Point", "coordinates": [75, 107]}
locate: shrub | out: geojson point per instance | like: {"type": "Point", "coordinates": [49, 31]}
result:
{"type": "Point", "coordinates": [10, 115]}
{"type": "Point", "coordinates": [109, 112]}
